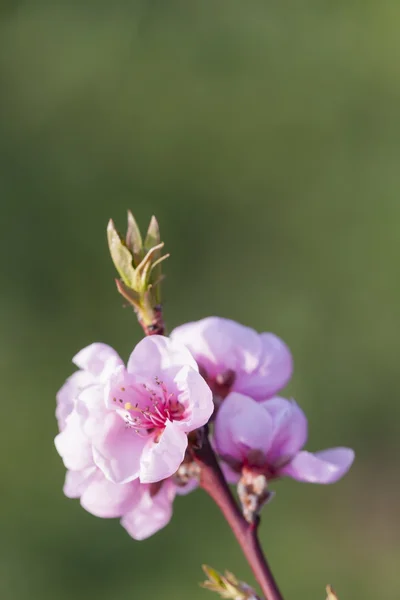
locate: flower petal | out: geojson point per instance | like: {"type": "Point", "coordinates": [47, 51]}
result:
{"type": "Point", "coordinates": [220, 344]}
{"type": "Point", "coordinates": [120, 388]}
{"type": "Point", "coordinates": [77, 481]}
{"type": "Point", "coordinates": [161, 459]}
{"type": "Point", "coordinates": [289, 428]}
{"type": "Point", "coordinates": [327, 466]}
{"type": "Point", "coordinates": [90, 407]}
{"type": "Point", "coordinates": [242, 425]}
{"type": "Point", "coordinates": [73, 445]}
{"type": "Point", "coordinates": [99, 359]}
{"type": "Point", "coordinates": [105, 499]}
{"type": "Point", "coordinates": [150, 513]}
{"type": "Point", "coordinates": [273, 371]}
{"type": "Point", "coordinates": [68, 393]}
{"type": "Point", "coordinates": [154, 354]}
{"type": "Point", "coordinates": [230, 475]}
{"type": "Point", "coordinates": [195, 395]}
{"type": "Point", "coordinates": [117, 449]}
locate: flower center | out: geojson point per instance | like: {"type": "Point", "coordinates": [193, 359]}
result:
{"type": "Point", "coordinates": [220, 384]}
{"type": "Point", "coordinates": [155, 406]}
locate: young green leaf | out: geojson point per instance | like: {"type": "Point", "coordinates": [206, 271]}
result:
{"type": "Point", "coordinates": [120, 255]}
{"type": "Point", "coordinates": [134, 239]}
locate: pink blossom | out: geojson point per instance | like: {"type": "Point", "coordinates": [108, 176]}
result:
{"type": "Point", "coordinates": [268, 437]}
{"type": "Point", "coordinates": [132, 422]}
{"type": "Point", "coordinates": [145, 508]}
{"type": "Point", "coordinates": [233, 357]}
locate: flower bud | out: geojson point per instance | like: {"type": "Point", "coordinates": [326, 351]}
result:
{"type": "Point", "coordinates": [139, 266]}
{"type": "Point", "coordinates": [227, 585]}
{"type": "Point", "coordinates": [253, 493]}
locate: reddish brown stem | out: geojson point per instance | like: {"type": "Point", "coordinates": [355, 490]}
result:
{"type": "Point", "coordinates": [213, 482]}
{"type": "Point", "coordinates": [157, 327]}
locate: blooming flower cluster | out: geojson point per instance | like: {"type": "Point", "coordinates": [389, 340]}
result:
{"type": "Point", "coordinates": [126, 431]}
{"type": "Point", "coordinates": [123, 430]}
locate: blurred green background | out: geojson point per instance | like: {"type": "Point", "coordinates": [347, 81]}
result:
{"type": "Point", "coordinates": [265, 137]}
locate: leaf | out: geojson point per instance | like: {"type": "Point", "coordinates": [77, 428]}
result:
{"type": "Point", "coordinates": [128, 293]}
{"type": "Point", "coordinates": [153, 234]}
{"type": "Point", "coordinates": [134, 239]}
{"type": "Point", "coordinates": [120, 255]}
{"type": "Point", "coordinates": [143, 270]}
{"type": "Point", "coordinates": [153, 239]}
{"type": "Point", "coordinates": [227, 585]}
{"type": "Point", "coordinates": [212, 575]}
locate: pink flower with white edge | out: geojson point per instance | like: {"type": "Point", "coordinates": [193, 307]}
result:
{"type": "Point", "coordinates": [145, 508]}
{"type": "Point", "coordinates": [268, 437]}
{"type": "Point", "coordinates": [133, 422]}
{"type": "Point", "coordinates": [98, 495]}
{"type": "Point", "coordinates": [233, 357]}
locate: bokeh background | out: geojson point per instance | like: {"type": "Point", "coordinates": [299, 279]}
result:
{"type": "Point", "coordinates": [265, 137]}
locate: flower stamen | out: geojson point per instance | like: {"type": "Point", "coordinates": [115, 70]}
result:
{"type": "Point", "coordinates": [161, 407]}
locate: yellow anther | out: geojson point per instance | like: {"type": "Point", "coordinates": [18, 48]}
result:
{"type": "Point", "coordinates": [128, 406]}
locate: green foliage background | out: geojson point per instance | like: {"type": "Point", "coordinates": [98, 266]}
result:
{"type": "Point", "coordinates": [265, 136]}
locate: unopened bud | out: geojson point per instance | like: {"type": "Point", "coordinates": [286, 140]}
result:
{"type": "Point", "coordinates": [139, 266]}
{"type": "Point", "coordinates": [227, 585]}
{"type": "Point", "coordinates": [253, 493]}
{"type": "Point", "coordinates": [186, 472]}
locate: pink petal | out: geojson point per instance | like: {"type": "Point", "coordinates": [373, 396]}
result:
{"type": "Point", "coordinates": [273, 371]}
{"type": "Point", "coordinates": [154, 354]}
{"type": "Point", "coordinates": [289, 428]}
{"type": "Point", "coordinates": [327, 466]}
{"type": "Point", "coordinates": [150, 513]}
{"type": "Point", "coordinates": [195, 395]}
{"type": "Point", "coordinates": [242, 425]}
{"type": "Point", "coordinates": [230, 475]}
{"type": "Point", "coordinates": [99, 359]}
{"type": "Point", "coordinates": [121, 387]}
{"type": "Point", "coordinates": [105, 499]}
{"type": "Point", "coordinates": [77, 481]}
{"type": "Point", "coordinates": [90, 406]}
{"type": "Point", "coordinates": [117, 449]}
{"type": "Point", "coordinates": [162, 459]}
{"type": "Point", "coordinates": [220, 344]}
{"type": "Point", "coordinates": [67, 394]}
{"type": "Point", "coordinates": [73, 445]}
